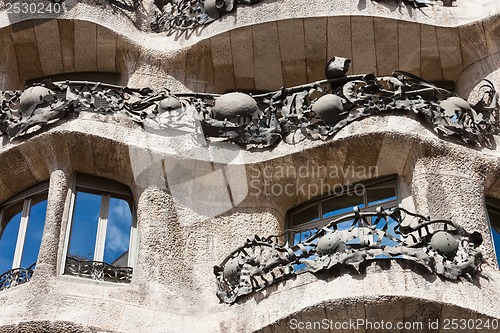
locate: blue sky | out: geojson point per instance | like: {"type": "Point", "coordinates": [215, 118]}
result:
{"type": "Point", "coordinates": [32, 241]}
{"type": "Point", "coordinates": [496, 240]}
{"type": "Point", "coordinates": [8, 243]}
{"type": "Point", "coordinates": [84, 228]}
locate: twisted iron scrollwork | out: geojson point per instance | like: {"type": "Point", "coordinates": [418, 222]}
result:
{"type": "Point", "coordinates": [16, 276]}
{"type": "Point", "coordinates": [174, 15]}
{"type": "Point", "coordinates": [438, 245]}
{"type": "Point", "coordinates": [97, 270]}
{"type": "Point", "coordinates": [129, 5]}
{"type": "Point", "coordinates": [315, 111]}
{"type": "Point", "coordinates": [423, 3]}
{"type": "Point", "coordinates": [321, 109]}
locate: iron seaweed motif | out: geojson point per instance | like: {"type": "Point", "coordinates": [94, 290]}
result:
{"type": "Point", "coordinates": [16, 276]}
{"type": "Point", "coordinates": [175, 15]}
{"type": "Point", "coordinates": [98, 270]}
{"type": "Point", "coordinates": [438, 245]}
{"type": "Point", "coordinates": [178, 15]}
{"type": "Point", "coordinates": [314, 111]}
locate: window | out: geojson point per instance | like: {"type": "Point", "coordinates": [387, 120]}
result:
{"type": "Point", "coordinates": [22, 219]}
{"type": "Point", "coordinates": [493, 208]}
{"type": "Point", "coordinates": [102, 233]}
{"type": "Point", "coordinates": [310, 217]}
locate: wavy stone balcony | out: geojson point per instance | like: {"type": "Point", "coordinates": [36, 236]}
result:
{"type": "Point", "coordinates": [194, 195]}
{"type": "Point", "coordinates": [191, 18]}
{"type": "Point", "coordinates": [261, 54]}
{"type": "Point", "coordinates": [182, 291]}
{"type": "Point", "coordinates": [314, 111]}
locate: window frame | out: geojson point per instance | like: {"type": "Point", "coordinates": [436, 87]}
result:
{"type": "Point", "coordinates": [493, 204]}
{"type": "Point", "coordinates": [107, 189]}
{"type": "Point", "coordinates": [371, 184]}
{"type": "Point", "coordinates": [26, 198]}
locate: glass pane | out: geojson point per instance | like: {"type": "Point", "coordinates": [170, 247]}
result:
{"type": "Point", "coordinates": [380, 195]}
{"type": "Point", "coordinates": [391, 224]}
{"type": "Point", "coordinates": [496, 241]}
{"type": "Point", "coordinates": [341, 205]}
{"type": "Point", "coordinates": [34, 232]}
{"type": "Point", "coordinates": [307, 215]}
{"type": "Point", "coordinates": [118, 232]}
{"type": "Point", "coordinates": [299, 238]}
{"type": "Point", "coordinates": [344, 225]}
{"type": "Point", "coordinates": [494, 217]}
{"type": "Point", "coordinates": [303, 235]}
{"type": "Point", "coordinates": [84, 226]}
{"type": "Point", "coordinates": [8, 241]}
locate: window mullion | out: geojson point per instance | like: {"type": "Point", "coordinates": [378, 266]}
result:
{"type": "Point", "coordinates": [21, 236]}
{"type": "Point", "coordinates": [133, 241]}
{"type": "Point", "coordinates": [101, 228]}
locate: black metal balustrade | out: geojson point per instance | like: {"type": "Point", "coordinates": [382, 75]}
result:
{"type": "Point", "coordinates": [16, 276]}
{"type": "Point", "coordinates": [315, 111]}
{"type": "Point", "coordinates": [440, 246]}
{"type": "Point", "coordinates": [97, 270]}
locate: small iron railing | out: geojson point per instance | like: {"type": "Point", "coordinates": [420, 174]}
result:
{"type": "Point", "coordinates": [97, 270]}
{"type": "Point", "coordinates": [16, 276]}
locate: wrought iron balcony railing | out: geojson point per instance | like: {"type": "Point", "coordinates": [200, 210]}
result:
{"type": "Point", "coordinates": [16, 276]}
{"type": "Point", "coordinates": [97, 270]}
{"type": "Point", "coordinates": [440, 246]}
{"type": "Point", "coordinates": [315, 111]}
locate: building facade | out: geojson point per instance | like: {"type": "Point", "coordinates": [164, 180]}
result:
{"type": "Point", "coordinates": [272, 166]}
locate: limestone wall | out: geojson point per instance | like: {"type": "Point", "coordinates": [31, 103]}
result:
{"type": "Point", "coordinates": [180, 239]}
{"type": "Point", "coordinates": [197, 201]}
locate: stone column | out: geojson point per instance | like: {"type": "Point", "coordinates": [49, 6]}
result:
{"type": "Point", "coordinates": [48, 255]}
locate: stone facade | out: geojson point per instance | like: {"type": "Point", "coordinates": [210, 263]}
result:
{"type": "Point", "coordinates": [198, 198]}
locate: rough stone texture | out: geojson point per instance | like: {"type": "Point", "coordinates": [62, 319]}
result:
{"type": "Point", "coordinates": [67, 43]}
{"type": "Point", "coordinates": [199, 76]}
{"type": "Point", "coordinates": [17, 176]}
{"type": "Point", "coordinates": [339, 38]}
{"type": "Point", "coordinates": [28, 59]}
{"type": "Point", "coordinates": [85, 46]}
{"type": "Point", "coordinates": [222, 60]}
{"type": "Point", "coordinates": [197, 200]}
{"type": "Point", "coordinates": [243, 54]}
{"type": "Point", "coordinates": [409, 47]}
{"type": "Point", "coordinates": [106, 50]}
{"type": "Point", "coordinates": [293, 52]}
{"type": "Point", "coordinates": [49, 49]}
{"type": "Point", "coordinates": [315, 44]}
{"type": "Point", "coordinates": [364, 59]}
{"type": "Point", "coordinates": [267, 60]}
{"type": "Point", "coordinates": [47, 257]}
{"type": "Point", "coordinates": [449, 50]}
{"type": "Point", "coordinates": [386, 42]}
{"type": "Point", "coordinates": [430, 66]}
{"type": "Point", "coordinates": [473, 44]}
